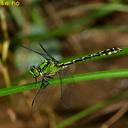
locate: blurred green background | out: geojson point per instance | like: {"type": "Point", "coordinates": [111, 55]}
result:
{"type": "Point", "coordinates": [67, 29]}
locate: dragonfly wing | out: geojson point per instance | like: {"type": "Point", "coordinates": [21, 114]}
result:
{"type": "Point", "coordinates": [41, 54]}
{"type": "Point", "coordinates": [62, 98]}
{"type": "Point", "coordinates": [46, 97]}
{"type": "Point", "coordinates": [66, 96]}
{"type": "Point", "coordinates": [49, 57]}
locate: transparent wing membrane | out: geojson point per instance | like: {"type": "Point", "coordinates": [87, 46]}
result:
{"type": "Point", "coordinates": [42, 86]}
{"type": "Point", "coordinates": [43, 55]}
{"type": "Point", "coordinates": [62, 89]}
{"type": "Point", "coordinates": [66, 96]}
{"type": "Point", "coordinates": [48, 55]}
{"type": "Point", "coordinates": [48, 96]}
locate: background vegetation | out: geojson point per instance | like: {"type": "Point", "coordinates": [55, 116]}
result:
{"type": "Point", "coordinates": [95, 93]}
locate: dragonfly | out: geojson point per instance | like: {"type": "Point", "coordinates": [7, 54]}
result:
{"type": "Point", "coordinates": [49, 67]}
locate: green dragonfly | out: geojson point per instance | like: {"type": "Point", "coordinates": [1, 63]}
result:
{"type": "Point", "coordinates": [50, 66]}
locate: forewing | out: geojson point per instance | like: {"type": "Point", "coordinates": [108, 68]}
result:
{"type": "Point", "coordinates": [66, 91]}
{"type": "Point", "coordinates": [46, 97]}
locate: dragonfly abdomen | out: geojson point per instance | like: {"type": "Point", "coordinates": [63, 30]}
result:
{"type": "Point", "coordinates": [106, 52]}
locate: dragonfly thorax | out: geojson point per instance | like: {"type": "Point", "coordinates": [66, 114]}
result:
{"type": "Point", "coordinates": [34, 71]}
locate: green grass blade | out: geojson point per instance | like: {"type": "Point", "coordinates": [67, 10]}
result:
{"type": "Point", "coordinates": [70, 79]}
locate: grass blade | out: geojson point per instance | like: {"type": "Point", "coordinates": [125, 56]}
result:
{"type": "Point", "coordinates": [69, 79]}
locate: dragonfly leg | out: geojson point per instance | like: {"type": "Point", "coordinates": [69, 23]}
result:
{"type": "Point", "coordinates": [50, 77]}
{"type": "Point", "coordinates": [44, 83]}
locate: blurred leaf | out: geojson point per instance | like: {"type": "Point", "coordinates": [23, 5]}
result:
{"type": "Point", "coordinates": [75, 25]}
{"type": "Point", "coordinates": [92, 109]}
{"type": "Point", "coordinates": [36, 17]}
{"type": "Point", "coordinates": [17, 15]}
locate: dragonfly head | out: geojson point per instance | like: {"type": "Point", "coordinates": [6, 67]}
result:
{"type": "Point", "coordinates": [34, 71]}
